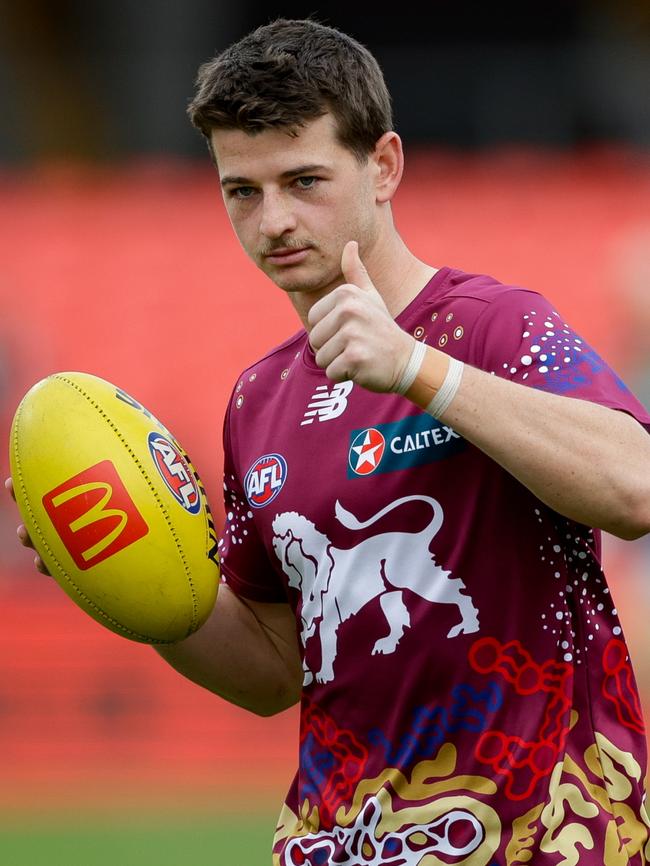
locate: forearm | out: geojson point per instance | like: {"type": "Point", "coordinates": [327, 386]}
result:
{"type": "Point", "coordinates": [587, 462]}
{"type": "Point", "coordinates": [248, 662]}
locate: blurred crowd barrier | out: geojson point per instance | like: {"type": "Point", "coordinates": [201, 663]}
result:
{"type": "Point", "coordinates": [134, 274]}
{"type": "Point", "coordinates": [106, 80]}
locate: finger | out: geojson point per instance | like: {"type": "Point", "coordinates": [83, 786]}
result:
{"type": "Point", "coordinates": [328, 314]}
{"type": "Point", "coordinates": [353, 269]}
{"type": "Point", "coordinates": [9, 485]}
{"type": "Point", "coordinates": [323, 307]}
{"type": "Point", "coordinates": [323, 331]}
{"type": "Point", "coordinates": [339, 370]}
{"type": "Point", "coordinates": [40, 566]}
{"type": "Point", "coordinates": [23, 536]}
{"type": "Point", "coordinates": [330, 350]}
{"type": "Point", "coordinates": [26, 541]}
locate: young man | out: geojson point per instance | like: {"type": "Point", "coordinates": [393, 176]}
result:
{"type": "Point", "coordinates": [410, 483]}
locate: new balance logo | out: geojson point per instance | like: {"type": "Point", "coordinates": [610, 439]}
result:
{"type": "Point", "coordinates": [325, 404]}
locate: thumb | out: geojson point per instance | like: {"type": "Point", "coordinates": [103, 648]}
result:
{"type": "Point", "coordinates": [353, 269]}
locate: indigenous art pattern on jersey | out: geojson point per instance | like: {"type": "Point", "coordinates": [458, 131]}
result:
{"type": "Point", "coordinates": [425, 811]}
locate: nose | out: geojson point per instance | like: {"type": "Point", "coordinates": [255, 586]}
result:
{"type": "Point", "coordinates": [277, 215]}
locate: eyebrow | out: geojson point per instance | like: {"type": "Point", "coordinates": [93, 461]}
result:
{"type": "Point", "coordinates": [286, 175]}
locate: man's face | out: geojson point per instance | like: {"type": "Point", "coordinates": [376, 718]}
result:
{"type": "Point", "coordinates": [295, 202]}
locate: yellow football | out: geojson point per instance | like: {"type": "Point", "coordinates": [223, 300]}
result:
{"type": "Point", "coordinates": [114, 507]}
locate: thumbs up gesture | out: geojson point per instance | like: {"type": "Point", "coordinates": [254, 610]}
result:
{"type": "Point", "coordinates": [353, 334]}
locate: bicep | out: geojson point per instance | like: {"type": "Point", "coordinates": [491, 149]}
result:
{"type": "Point", "coordinates": [246, 651]}
{"type": "Point", "coordinates": [279, 622]}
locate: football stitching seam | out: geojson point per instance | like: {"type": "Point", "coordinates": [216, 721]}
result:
{"type": "Point", "coordinates": [137, 462]}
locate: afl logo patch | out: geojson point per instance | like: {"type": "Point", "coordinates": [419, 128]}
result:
{"type": "Point", "coordinates": [366, 450]}
{"type": "Point", "coordinates": [265, 479]}
{"type": "Point", "coordinates": [175, 472]}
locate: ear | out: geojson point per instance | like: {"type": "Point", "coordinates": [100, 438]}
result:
{"type": "Point", "coordinates": [388, 163]}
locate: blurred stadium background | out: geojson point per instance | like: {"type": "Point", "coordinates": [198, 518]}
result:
{"type": "Point", "coordinates": [528, 156]}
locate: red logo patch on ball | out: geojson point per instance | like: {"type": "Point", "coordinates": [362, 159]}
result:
{"type": "Point", "coordinates": [265, 479]}
{"type": "Point", "coordinates": [94, 515]}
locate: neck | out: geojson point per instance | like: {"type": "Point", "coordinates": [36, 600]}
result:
{"type": "Point", "coordinates": [397, 274]}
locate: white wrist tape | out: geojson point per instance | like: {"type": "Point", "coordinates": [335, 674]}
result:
{"type": "Point", "coordinates": [447, 390]}
{"type": "Point", "coordinates": [412, 368]}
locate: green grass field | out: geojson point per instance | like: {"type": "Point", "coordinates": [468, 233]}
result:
{"type": "Point", "coordinates": [149, 841]}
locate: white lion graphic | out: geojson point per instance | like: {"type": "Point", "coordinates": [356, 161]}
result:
{"type": "Point", "coordinates": [336, 583]}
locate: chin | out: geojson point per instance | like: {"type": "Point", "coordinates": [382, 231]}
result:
{"type": "Point", "coordinates": [295, 281]}
{"type": "Point", "coordinates": [298, 286]}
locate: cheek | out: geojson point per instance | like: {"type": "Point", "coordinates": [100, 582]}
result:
{"type": "Point", "coordinates": [356, 220]}
{"type": "Point", "coordinates": [241, 227]}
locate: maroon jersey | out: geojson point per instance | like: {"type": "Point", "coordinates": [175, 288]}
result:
{"type": "Point", "coordinates": [468, 696]}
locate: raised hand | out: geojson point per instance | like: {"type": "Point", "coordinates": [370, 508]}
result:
{"type": "Point", "coordinates": [353, 334]}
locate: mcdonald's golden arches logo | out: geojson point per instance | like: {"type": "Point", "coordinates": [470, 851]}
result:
{"type": "Point", "coordinates": [94, 515]}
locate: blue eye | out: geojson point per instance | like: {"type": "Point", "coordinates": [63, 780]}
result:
{"type": "Point", "coordinates": [306, 182]}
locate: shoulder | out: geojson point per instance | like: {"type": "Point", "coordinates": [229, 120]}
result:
{"type": "Point", "coordinates": [477, 317]}
{"type": "Point", "coordinates": [482, 304]}
{"type": "Point", "coordinates": [278, 355]}
{"type": "Point", "coordinates": [273, 363]}
{"type": "Point", "coordinates": [259, 380]}
{"type": "Point", "coordinates": [484, 290]}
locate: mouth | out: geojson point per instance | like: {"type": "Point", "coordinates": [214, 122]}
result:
{"type": "Point", "coordinates": [287, 256]}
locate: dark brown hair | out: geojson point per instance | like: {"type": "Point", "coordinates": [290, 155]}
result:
{"type": "Point", "coordinates": [289, 72]}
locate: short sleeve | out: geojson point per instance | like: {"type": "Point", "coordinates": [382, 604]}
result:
{"type": "Point", "coordinates": [245, 566]}
{"type": "Point", "coordinates": [523, 338]}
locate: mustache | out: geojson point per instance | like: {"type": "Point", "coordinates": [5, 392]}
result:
{"type": "Point", "coordinates": [285, 245]}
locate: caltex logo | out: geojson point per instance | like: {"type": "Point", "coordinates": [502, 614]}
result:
{"type": "Point", "coordinates": [366, 451]}
{"type": "Point", "coordinates": [413, 441]}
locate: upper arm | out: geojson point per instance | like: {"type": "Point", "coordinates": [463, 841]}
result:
{"type": "Point", "coordinates": [279, 622]}
{"type": "Point", "coordinates": [522, 337]}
